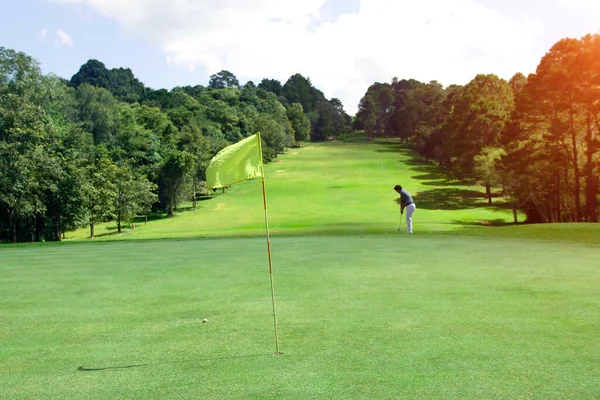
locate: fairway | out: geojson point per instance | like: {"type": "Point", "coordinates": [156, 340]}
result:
{"type": "Point", "coordinates": [359, 317]}
{"type": "Point", "coordinates": [468, 307]}
{"type": "Point", "coordinates": [340, 187]}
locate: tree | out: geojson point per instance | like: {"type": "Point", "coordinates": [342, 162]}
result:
{"type": "Point", "coordinates": [274, 135]}
{"type": "Point", "coordinates": [401, 119]}
{"type": "Point", "coordinates": [100, 188]}
{"type": "Point", "coordinates": [477, 120]}
{"type": "Point", "coordinates": [97, 112]}
{"type": "Point", "coordinates": [119, 81]}
{"type": "Point", "coordinates": [223, 79]}
{"type": "Point", "coordinates": [554, 134]}
{"type": "Point", "coordinates": [134, 194]}
{"type": "Point", "coordinates": [424, 104]}
{"type": "Point", "coordinates": [485, 168]}
{"type": "Point", "coordinates": [24, 94]}
{"type": "Point", "coordinates": [175, 177]}
{"type": "Point", "coordinates": [300, 123]}
{"type": "Point", "coordinates": [374, 110]}
{"type": "Point", "coordinates": [271, 85]}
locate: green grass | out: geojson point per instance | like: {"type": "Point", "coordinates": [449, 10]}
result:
{"type": "Point", "coordinates": [469, 307]}
{"type": "Point", "coordinates": [359, 317]}
{"type": "Point", "coordinates": [332, 188]}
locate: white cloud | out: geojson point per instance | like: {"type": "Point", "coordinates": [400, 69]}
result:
{"type": "Point", "coordinates": [581, 5]}
{"type": "Point", "coordinates": [447, 40]}
{"type": "Point", "coordinates": [41, 36]}
{"type": "Point", "coordinates": [63, 39]}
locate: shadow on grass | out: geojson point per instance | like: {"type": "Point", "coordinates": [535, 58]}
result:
{"type": "Point", "coordinates": [455, 199]}
{"type": "Point", "coordinates": [448, 193]}
{"type": "Point", "coordinates": [96, 369]}
{"type": "Point", "coordinates": [393, 147]}
{"type": "Point", "coordinates": [494, 222]}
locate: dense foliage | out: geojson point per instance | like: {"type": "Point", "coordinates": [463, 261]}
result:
{"type": "Point", "coordinates": [535, 137]}
{"type": "Point", "coordinates": [102, 146]}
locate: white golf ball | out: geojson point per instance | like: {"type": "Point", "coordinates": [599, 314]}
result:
{"type": "Point", "coordinates": [205, 320]}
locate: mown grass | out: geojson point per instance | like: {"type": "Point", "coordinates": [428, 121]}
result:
{"type": "Point", "coordinates": [331, 188]}
{"type": "Point", "coordinates": [460, 310]}
{"type": "Point", "coordinates": [359, 317]}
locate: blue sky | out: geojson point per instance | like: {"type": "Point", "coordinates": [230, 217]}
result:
{"type": "Point", "coordinates": [343, 46]}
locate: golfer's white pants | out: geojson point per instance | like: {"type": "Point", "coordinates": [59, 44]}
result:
{"type": "Point", "coordinates": [410, 209]}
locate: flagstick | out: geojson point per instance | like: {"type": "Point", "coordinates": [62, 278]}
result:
{"type": "Point", "coordinates": [268, 245]}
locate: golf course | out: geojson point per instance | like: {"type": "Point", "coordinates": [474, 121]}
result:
{"type": "Point", "coordinates": [470, 306]}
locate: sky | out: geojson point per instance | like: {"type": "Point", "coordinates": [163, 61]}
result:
{"type": "Point", "coordinates": [343, 46]}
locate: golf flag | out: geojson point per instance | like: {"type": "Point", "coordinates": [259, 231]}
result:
{"type": "Point", "coordinates": [236, 163]}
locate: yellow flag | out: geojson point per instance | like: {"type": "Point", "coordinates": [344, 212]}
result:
{"type": "Point", "coordinates": [236, 163]}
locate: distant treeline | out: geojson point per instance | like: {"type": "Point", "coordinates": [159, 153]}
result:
{"type": "Point", "coordinates": [102, 146]}
{"type": "Point", "coordinates": [537, 137]}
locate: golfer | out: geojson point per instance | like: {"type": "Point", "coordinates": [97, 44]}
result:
{"type": "Point", "coordinates": [407, 202]}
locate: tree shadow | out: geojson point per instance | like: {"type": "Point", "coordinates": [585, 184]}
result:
{"type": "Point", "coordinates": [494, 222]}
{"type": "Point", "coordinates": [96, 369]}
{"type": "Point", "coordinates": [392, 148]}
{"type": "Point", "coordinates": [449, 199]}
{"type": "Point", "coordinates": [437, 178]}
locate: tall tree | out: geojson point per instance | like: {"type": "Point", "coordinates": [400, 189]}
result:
{"type": "Point", "coordinates": [223, 79]}
{"type": "Point", "coordinates": [133, 194]}
{"type": "Point", "coordinates": [24, 96]}
{"type": "Point", "coordinates": [477, 120]}
{"type": "Point", "coordinates": [300, 123]}
{"type": "Point", "coordinates": [98, 113]}
{"type": "Point", "coordinates": [100, 188]}
{"type": "Point", "coordinates": [271, 85]}
{"type": "Point", "coordinates": [175, 178]}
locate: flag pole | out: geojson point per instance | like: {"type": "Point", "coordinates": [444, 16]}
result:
{"type": "Point", "coordinates": [268, 243]}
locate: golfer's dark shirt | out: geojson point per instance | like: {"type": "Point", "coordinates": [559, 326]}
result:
{"type": "Point", "coordinates": [406, 198]}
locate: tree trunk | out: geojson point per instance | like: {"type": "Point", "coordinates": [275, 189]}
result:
{"type": "Point", "coordinates": [91, 229]}
{"type": "Point", "coordinates": [488, 192]}
{"type": "Point", "coordinates": [119, 222]}
{"type": "Point", "coordinates": [575, 166]}
{"type": "Point", "coordinates": [39, 228]}
{"type": "Point", "coordinates": [57, 227]}
{"type": "Point", "coordinates": [514, 210]}
{"type": "Point", "coordinates": [146, 219]}
{"type": "Point", "coordinates": [194, 195]}
{"type": "Point", "coordinates": [590, 188]}
{"type": "Point", "coordinates": [13, 225]}
{"type": "Point", "coordinates": [558, 199]}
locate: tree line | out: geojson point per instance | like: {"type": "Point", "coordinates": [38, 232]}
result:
{"type": "Point", "coordinates": [536, 137]}
{"type": "Point", "coordinates": [102, 146]}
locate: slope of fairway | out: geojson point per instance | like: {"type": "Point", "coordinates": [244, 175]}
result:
{"type": "Point", "coordinates": [371, 317]}
{"type": "Point", "coordinates": [329, 188]}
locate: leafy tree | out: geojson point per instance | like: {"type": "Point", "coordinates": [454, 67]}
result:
{"type": "Point", "coordinates": [401, 121]}
{"type": "Point", "coordinates": [100, 189]}
{"type": "Point", "coordinates": [300, 123]}
{"type": "Point", "coordinates": [119, 81]}
{"type": "Point", "coordinates": [223, 79]}
{"type": "Point", "coordinates": [271, 85]}
{"type": "Point", "coordinates": [94, 73]}
{"type": "Point", "coordinates": [175, 178]}
{"type": "Point", "coordinates": [24, 93]}
{"type": "Point", "coordinates": [485, 168]}
{"type": "Point", "coordinates": [98, 113]}
{"type": "Point", "coordinates": [134, 194]}
{"type": "Point", "coordinates": [477, 120]}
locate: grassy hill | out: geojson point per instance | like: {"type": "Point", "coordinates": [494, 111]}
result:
{"type": "Point", "coordinates": [466, 308]}
{"type": "Point", "coordinates": [330, 188]}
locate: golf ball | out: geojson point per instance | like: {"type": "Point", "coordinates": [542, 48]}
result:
{"type": "Point", "coordinates": [205, 319]}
